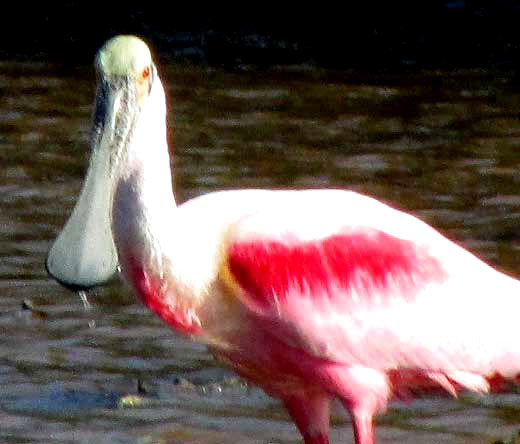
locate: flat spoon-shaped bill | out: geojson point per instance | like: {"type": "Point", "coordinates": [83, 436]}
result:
{"type": "Point", "coordinates": [84, 254]}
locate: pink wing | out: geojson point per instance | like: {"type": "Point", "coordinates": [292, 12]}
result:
{"type": "Point", "coordinates": [355, 265]}
{"type": "Point", "coordinates": [336, 297]}
{"type": "Point", "coordinates": [362, 297]}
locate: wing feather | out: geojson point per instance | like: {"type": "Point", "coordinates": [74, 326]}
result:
{"type": "Point", "coordinates": [362, 296]}
{"type": "Point", "coordinates": [354, 266]}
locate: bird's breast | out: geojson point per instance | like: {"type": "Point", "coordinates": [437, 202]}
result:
{"type": "Point", "coordinates": [162, 298]}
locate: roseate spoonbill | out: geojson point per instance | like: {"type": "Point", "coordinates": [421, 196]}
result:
{"type": "Point", "coordinates": [312, 295]}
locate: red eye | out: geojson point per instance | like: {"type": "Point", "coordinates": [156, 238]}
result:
{"type": "Point", "coordinates": [146, 73]}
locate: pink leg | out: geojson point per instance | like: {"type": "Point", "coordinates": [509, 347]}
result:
{"type": "Point", "coordinates": [362, 421]}
{"type": "Point", "coordinates": [311, 414]}
{"type": "Point", "coordinates": [363, 426]}
{"type": "Point", "coordinates": [364, 392]}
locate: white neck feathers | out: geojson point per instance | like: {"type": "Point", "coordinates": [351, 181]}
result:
{"type": "Point", "coordinates": [143, 202]}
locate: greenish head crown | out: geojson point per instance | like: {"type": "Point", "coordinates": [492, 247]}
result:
{"type": "Point", "coordinates": [123, 55]}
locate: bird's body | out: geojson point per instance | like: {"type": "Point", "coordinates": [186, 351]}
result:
{"type": "Point", "coordinates": [376, 306]}
{"type": "Point", "coordinates": [312, 295]}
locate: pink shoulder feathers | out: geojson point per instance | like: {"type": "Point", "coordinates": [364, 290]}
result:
{"type": "Point", "coordinates": [363, 261]}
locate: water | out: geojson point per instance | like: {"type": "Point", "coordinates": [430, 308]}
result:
{"type": "Point", "coordinates": [442, 145]}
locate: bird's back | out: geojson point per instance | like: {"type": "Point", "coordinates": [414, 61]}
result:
{"type": "Point", "coordinates": [454, 317]}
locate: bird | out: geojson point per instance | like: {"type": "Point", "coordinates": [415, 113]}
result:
{"type": "Point", "coordinates": [313, 295]}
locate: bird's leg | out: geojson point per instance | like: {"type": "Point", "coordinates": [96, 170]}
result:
{"type": "Point", "coordinates": [363, 427]}
{"type": "Point", "coordinates": [311, 414]}
{"type": "Point", "coordinates": [362, 421]}
{"type": "Point", "coordinates": [364, 392]}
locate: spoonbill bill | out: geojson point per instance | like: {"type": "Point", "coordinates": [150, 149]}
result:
{"type": "Point", "coordinates": [313, 295]}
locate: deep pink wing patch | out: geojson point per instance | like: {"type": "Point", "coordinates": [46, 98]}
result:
{"type": "Point", "coordinates": [364, 261]}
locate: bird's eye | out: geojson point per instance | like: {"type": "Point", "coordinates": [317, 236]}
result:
{"type": "Point", "coordinates": [145, 73]}
{"type": "Point", "coordinates": [144, 83]}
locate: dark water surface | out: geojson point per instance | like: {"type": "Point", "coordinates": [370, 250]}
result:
{"type": "Point", "coordinates": [445, 146]}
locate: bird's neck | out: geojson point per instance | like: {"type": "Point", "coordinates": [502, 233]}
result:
{"type": "Point", "coordinates": [143, 222]}
{"type": "Point", "coordinates": [143, 225]}
{"type": "Point", "coordinates": [143, 203]}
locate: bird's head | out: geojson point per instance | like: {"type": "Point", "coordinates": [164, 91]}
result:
{"type": "Point", "coordinates": [129, 96]}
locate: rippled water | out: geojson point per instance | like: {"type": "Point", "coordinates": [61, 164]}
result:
{"type": "Point", "coordinates": [442, 145]}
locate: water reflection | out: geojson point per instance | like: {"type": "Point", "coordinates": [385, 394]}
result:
{"type": "Point", "coordinates": [444, 146]}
